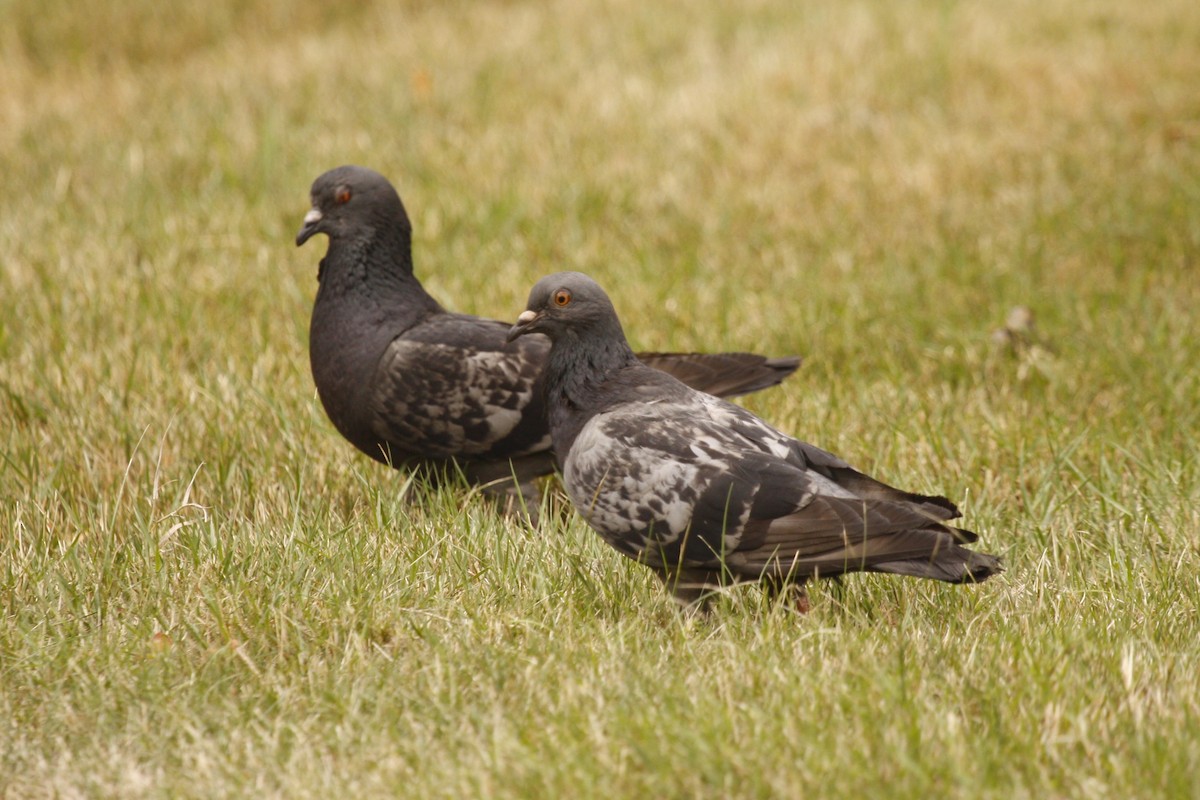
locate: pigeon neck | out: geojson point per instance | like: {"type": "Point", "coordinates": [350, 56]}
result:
{"type": "Point", "coordinates": [378, 268]}
{"type": "Point", "coordinates": [577, 369]}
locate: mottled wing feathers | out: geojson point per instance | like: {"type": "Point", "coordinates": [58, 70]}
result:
{"type": "Point", "coordinates": [451, 387]}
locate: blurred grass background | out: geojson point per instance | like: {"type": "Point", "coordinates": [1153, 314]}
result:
{"type": "Point", "coordinates": [206, 592]}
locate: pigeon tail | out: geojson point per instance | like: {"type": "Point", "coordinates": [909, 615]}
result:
{"type": "Point", "coordinates": [937, 506]}
{"type": "Point", "coordinates": [953, 565]}
{"type": "Point", "coordinates": [723, 374]}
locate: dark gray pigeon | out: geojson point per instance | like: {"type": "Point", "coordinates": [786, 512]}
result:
{"type": "Point", "coordinates": [704, 492]}
{"type": "Point", "coordinates": [413, 385]}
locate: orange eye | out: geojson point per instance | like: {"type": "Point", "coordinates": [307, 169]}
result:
{"type": "Point", "coordinates": [342, 196]}
{"type": "Point", "coordinates": [562, 298]}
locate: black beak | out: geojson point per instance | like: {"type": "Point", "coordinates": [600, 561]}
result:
{"type": "Point", "coordinates": [526, 323]}
{"type": "Point", "coordinates": [312, 224]}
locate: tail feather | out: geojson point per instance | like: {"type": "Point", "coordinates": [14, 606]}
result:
{"type": "Point", "coordinates": [724, 374]}
{"type": "Point", "coordinates": [953, 565]}
{"type": "Point", "coordinates": [936, 505]}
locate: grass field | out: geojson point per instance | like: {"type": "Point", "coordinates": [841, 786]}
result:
{"type": "Point", "coordinates": [205, 592]}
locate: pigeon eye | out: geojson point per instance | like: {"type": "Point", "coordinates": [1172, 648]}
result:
{"type": "Point", "coordinates": [342, 196]}
{"type": "Point", "coordinates": [562, 298]}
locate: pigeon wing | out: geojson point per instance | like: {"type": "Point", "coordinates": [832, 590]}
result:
{"type": "Point", "coordinates": [452, 387]}
{"type": "Point", "coordinates": [669, 481]}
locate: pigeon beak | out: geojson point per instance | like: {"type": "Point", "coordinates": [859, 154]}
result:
{"type": "Point", "coordinates": [312, 221]}
{"type": "Point", "coordinates": [525, 324]}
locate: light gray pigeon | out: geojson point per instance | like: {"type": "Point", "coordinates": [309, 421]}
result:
{"type": "Point", "coordinates": [704, 492]}
{"type": "Point", "coordinates": [413, 385]}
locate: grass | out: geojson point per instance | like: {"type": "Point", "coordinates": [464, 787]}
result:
{"type": "Point", "coordinates": [206, 592]}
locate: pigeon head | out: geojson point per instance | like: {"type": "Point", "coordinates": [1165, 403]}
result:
{"type": "Point", "coordinates": [568, 305]}
{"type": "Point", "coordinates": [351, 203]}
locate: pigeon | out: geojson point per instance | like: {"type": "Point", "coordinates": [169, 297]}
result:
{"type": "Point", "coordinates": [703, 492]}
{"type": "Point", "coordinates": [419, 387]}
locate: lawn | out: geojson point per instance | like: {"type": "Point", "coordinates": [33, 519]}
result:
{"type": "Point", "coordinates": [206, 592]}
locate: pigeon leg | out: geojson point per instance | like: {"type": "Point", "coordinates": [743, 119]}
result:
{"type": "Point", "coordinates": [528, 498]}
{"type": "Point", "coordinates": [518, 501]}
{"type": "Point", "coordinates": [800, 599]}
{"type": "Point", "coordinates": [793, 589]}
{"type": "Point", "coordinates": [691, 589]}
